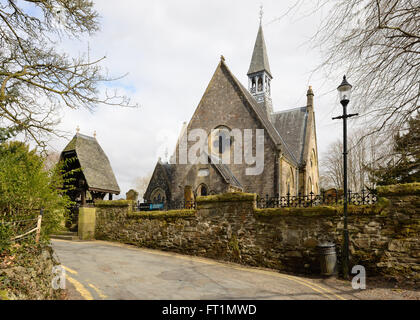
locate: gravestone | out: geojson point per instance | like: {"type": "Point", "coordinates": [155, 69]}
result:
{"type": "Point", "coordinates": [132, 195]}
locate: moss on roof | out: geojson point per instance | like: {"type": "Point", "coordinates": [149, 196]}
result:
{"type": "Point", "coordinates": [94, 163]}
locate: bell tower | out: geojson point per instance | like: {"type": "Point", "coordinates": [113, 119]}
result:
{"type": "Point", "coordinates": [259, 74]}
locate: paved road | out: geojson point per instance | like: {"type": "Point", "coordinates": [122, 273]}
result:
{"type": "Point", "coordinates": [103, 270]}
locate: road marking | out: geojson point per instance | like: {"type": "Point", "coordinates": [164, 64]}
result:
{"type": "Point", "coordinates": [292, 278]}
{"type": "Point", "coordinates": [69, 270]}
{"type": "Point", "coordinates": [101, 295]}
{"type": "Point", "coordinates": [323, 288]}
{"type": "Point", "coordinates": [80, 288]}
{"type": "Point", "coordinates": [99, 292]}
{"type": "Point", "coordinates": [324, 291]}
{"type": "Point", "coordinates": [306, 284]}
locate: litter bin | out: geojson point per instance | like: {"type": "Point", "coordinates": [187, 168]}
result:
{"type": "Point", "coordinates": [327, 258]}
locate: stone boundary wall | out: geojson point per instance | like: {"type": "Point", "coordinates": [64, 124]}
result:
{"type": "Point", "coordinates": [30, 275]}
{"type": "Point", "coordinates": [384, 238]}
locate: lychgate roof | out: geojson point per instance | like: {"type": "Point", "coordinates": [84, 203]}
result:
{"type": "Point", "coordinates": [94, 163]}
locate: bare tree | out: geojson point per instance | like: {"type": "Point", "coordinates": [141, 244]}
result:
{"type": "Point", "coordinates": [51, 159]}
{"type": "Point", "coordinates": [370, 152]}
{"type": "Point", "coordinates": [331, 170]}
{"type": "Point", "coordinates": [141, 184]}
{"type": "Point", "coordinates": [35, 78]}
{"type": "Point", "coordinates": [377, 43]}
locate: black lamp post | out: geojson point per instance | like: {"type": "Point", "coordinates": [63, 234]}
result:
{"type": "Point", "coordinates": [344, 91]}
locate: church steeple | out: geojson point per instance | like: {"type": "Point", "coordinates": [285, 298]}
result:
{"type": "Point", "coordinates": [259, 61]}
{"type": "Point", "coordinates": [259, 74]}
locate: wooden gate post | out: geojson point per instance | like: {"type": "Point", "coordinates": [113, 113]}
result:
{"type": "Point", "coordinates": [38, 226]}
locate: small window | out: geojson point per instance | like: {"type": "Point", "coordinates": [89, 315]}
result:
{"type": "Point", "coordinates": [203, 190]}
{"type": "Point", "coordinates": [260, 84]}
{"type": "Point", "coordinates": [203, 172]}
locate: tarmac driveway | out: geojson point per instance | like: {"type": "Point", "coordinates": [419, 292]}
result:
{"type": "Point", "coordinates": [104, 270]}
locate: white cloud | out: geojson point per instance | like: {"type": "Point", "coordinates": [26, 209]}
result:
{"type": "Point", "coordinates": [171, 49]}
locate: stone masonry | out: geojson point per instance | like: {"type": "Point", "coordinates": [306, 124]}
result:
{"type": "Point", "coordinates": [384, 238]}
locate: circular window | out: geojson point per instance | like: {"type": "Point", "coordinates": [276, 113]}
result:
{"type": "Point", "coordinates": [220, 140]}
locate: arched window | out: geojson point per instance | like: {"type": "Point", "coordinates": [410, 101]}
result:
{"type": "Point", "coordinates": [158, 196]}
{"type": "Point", "coordinates": [202, 190]}
{"type": "Point", "coordinates": [310, 185]}
{"type": "Point", "coordinates": [290, 182]}
{"type": "Point", "coordinates": [260, 84]}
{"type": "Point", "coordinates": [220, 140]}
{"type": "Point", "coordinates": [313, 158]}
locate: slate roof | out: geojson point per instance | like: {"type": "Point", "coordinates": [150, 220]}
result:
{"type": "Point", "coordinates": [223, 169]}
{"type": "Point", "coordinates": [95, 165]}
{"type": "Point", "coordinates": [225, 172]}
{"type": "Point", "coordinates": [261, 116]}
{"type": "Point", "coordinates": [291, 126]}
{"type": "Point", "coordinates": [259, 61]}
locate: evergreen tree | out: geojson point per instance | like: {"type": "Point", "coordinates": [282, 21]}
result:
{"type": "Point", "coordinates": [26, 188]}
{"type": "Point", "coordinates": [404, 166]}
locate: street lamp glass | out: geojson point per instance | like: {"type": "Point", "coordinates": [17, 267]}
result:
{"type": "Point", "coordinates": [344, 90]}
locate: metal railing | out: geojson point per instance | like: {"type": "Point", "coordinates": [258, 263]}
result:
{"type": "Point", "coordinates": [363, 197]}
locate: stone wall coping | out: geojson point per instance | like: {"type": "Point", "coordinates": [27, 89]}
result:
{"type": "Point", "coordinates": [399, 189]}
{"type": "Point", "coordinates": [227, 197]}
{"type": "Point", "coordinates": [185, 213]}
{"type": "Point", "coordinates": [377, 209]}
{"type": "Point", "coordinates": [113, 203]}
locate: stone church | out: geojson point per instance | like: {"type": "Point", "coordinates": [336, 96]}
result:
{"type": "Point", "coordinates": [290, 144]}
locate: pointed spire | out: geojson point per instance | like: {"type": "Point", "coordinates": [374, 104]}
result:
{"type": "Point", "coordinates": [259, 61]}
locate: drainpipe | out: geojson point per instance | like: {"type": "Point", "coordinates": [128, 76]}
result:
{"type": "Point", "coordinates": [280, 175]}
{"type": "Point", "coordinates": [276, 175]}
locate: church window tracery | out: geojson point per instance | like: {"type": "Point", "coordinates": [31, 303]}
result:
{"type": "Point", "coordinates": [158, 196]}
{"type": "Point", "coordinates": [220, 140]}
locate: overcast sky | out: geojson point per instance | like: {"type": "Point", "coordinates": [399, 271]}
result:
{"type": "Point", "coordinates": [170, 49]}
